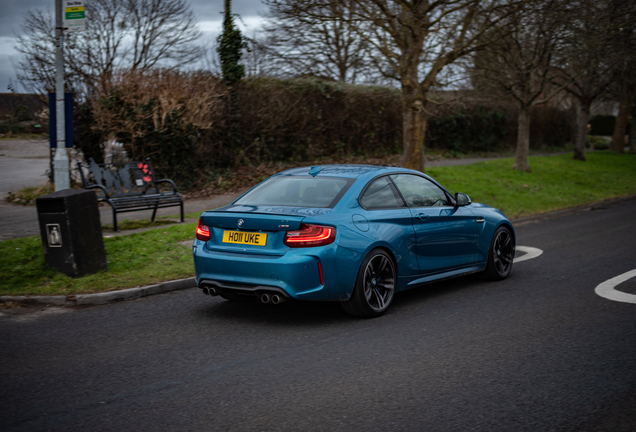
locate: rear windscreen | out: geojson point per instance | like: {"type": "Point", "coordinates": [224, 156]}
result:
{"type": "Point", "coordinates": [297, 191]}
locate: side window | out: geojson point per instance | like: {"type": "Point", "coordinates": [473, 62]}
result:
{"type": "Point", "coordinates": [420, 192]}
{"type": "Point", "coordinates": [380, 195]}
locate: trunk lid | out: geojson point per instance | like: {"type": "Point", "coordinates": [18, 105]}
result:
{"type": "Point", "coordinates": [253, 230]}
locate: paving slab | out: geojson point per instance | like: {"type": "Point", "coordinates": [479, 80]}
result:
{"type": "Point", "coordinates": [23, 163]}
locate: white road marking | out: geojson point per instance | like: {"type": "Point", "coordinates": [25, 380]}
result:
{"type": "Point", "coordinates": [606, 289]}
{"type": "Point", "coordinates": [530, 253]}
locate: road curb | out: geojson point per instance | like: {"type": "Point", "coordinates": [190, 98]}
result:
{"type": "Point", "coordinates": [103, 297]}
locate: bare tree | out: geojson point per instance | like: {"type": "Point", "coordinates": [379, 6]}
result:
{"type": "Point", "coordinates": [416, 40]}
{"type": "Point", "coordinates": [623, 43]}
{"type": "Point", "coordinates": [584, 64]}
{"type": "Point", "coordinates": [516, 65]}
{"type": "Point", "coordinates": [301, 44]}
{"type": "Point", "coordinates": [36, 70]}
{"type": "Point", "coordinates": [131, 34]}
{"type": "Point", "coordinates": [257, 58]}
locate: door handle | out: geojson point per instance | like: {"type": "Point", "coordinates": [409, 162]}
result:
{"type": "Point", "coordinates": [481, 220]}
{"type": "Point", "coordinates": [421, 216]}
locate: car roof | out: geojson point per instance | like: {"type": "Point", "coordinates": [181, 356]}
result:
{"type": "Point", "coordinates": [343, 170]}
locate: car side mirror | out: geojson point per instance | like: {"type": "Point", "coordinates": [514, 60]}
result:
{"type": "Point", "coordinates": [461, 199]}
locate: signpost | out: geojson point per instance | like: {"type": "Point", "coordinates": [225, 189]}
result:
{"type": "Point", "coordinates": [69, 17]}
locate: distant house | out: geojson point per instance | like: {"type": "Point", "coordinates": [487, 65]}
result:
{"type": "Point", "coordinates": [10, 101]}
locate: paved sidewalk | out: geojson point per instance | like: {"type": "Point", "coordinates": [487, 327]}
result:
{"type": "Point", "coordinates": [24, 163]}
{"type": "Point", "coordinates": [22, 221]}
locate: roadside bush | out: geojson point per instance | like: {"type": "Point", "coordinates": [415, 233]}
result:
{"type": "Point", "coordinates": [549, 126]}
{"type": "Point", "coordinates": [88, 138]}
{"type": "Point", "coordinates": [17, 121]}
{"type": "Point", "coordinates": [597, 143]}
{"type": "Point", "coordinates": [22, 113]}
{"type": "Point", "coordinates": [195, 129]}
{"type": "Point", "coordinates": [602, 125]}
{"type": "Point", "coordinates": [159, 114]}
{"type": "Point", "coordinates": [297, 119]}
{"type": "Point", "coordinates": [473, 129]}
{"type": "Point", "coordinates": [13, 127]}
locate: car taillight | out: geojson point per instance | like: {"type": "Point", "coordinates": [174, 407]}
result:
{"type": "Point", "coordinates": [203, 232]}
{"type": "Point", "coordinates": [309, 236]}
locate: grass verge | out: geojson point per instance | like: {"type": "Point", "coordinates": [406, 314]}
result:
{"type": "Point", "coordinates": [555, 183]}
{"type": "Point", "coordinates": [28, 195]}
{"type": "Point", "coordinates": [133, 260]}
{"type": "Point", "coordinates": [126, 224]}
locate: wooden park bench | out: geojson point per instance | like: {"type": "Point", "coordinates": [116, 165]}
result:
{"type": "Point", "coordinates": [128, 187]}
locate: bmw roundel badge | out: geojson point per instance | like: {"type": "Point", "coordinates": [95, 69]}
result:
{"type": "Point", "coordinates": [240, 223]}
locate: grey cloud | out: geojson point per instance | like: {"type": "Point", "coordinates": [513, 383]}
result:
{"type": "Point", "coordinates": [13, 12]}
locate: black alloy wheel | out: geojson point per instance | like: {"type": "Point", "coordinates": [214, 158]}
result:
{"type": "Point", "coordinates": [501, 254]}
{"type": "Point", "coordinates": [375, 286]}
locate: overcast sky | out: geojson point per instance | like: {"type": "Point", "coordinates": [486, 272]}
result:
{"type": "Point", "coordinates": [208, 12]}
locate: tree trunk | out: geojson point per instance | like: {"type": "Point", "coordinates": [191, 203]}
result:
{"type": "Point", "coordinates": [632, 131]}
{"type": "Point", "coordinates": [618, 138]}
{"type": "Point", "coordinates": [522, 160]}
{"type": "Point", "coordinates": [414, 120]}
{"type": "Point", "coordinates": [582, 118]}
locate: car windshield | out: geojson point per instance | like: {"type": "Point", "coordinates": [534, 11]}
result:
{"type": "Point", "coordinates": [297, 191]}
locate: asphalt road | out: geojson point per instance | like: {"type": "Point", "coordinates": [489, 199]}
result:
{"type": "Point", "coordinates": [539, 351]}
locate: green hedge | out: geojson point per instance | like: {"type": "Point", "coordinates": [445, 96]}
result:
{"type": "Point", "coordinates": [602, 125]}
{"type": "Point", "coordinates": [275, 120]}
{"type": "Point", "coordinates": [477, 129]}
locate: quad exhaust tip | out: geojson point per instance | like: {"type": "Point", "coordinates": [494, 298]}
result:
{"type": "Point", "coordinates": [276, 299]}
{"type": "Point", "coordinates": [265, 298]}
{"type": "Point", "coordinates": [211, 291]}
{"type": "Point", "coordinates": [272, 298]}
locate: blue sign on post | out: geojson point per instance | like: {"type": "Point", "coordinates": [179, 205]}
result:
{"type": "Point", "coordinates": [68, 117]}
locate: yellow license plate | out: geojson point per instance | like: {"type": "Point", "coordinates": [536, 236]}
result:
{"type": "Point", "coordinates": [246, 238]}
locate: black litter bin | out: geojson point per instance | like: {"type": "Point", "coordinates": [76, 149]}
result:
{"type": "Point", "coordinates": [71, 232]}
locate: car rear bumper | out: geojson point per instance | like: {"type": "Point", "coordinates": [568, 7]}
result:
{"type": "Point", "coordinates": [296, 274]}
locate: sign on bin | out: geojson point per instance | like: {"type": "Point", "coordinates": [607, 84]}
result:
{"type": "Point", "coordinates": [53, 234]}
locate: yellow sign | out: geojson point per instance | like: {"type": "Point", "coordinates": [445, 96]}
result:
{"type": "Point", "coordinates": [74, 13]}
{"type": "Point", "coordinates": [247, 238]}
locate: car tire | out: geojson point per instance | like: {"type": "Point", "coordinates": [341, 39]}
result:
{"type": "Point", "coordinates": [375, 286]}
{"type": "Point", "coordinates": [500, 255]}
